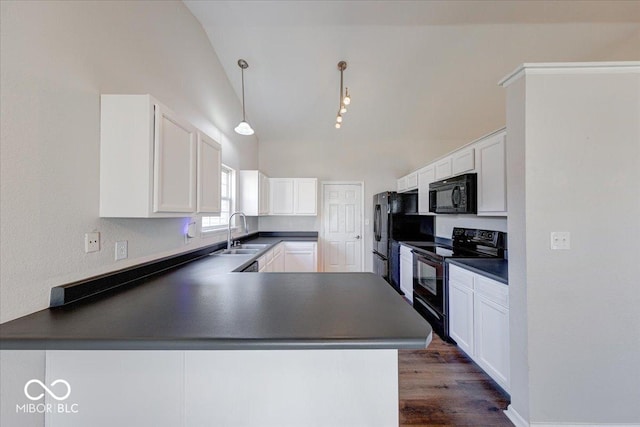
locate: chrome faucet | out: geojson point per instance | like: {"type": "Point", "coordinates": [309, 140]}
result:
{"type": "Point", "coordinates": [244, 219]}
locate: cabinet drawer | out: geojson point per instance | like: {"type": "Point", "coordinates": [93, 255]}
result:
{"type": "Point", "coordinates": [299, 246]}
{"type": "Point", "coordinates": [461, 276]}
{"type": "Point", "coordinates": [493, 291]}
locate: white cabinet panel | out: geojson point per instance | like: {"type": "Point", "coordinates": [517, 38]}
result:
{"type": "Point", "coordinates": [264, 197]}
{"type": "Point", "coordinates": [209, 161]}
{"type": "Point", "coordinates": [463, 161]}
{"type": "Point", "coordinates": [492, 175]}
{"type": "Point", "coordinates": [253, 192]}
{"type": "Point", "coordinates": [402, 184]}
{"type": "Point", "coordinates": [149, 161]}
{"type": "Point", "coordinates": [406, 272]}
{"type": "Point", "coordinates": [174, 170]}
{"type": "Point", "coordinates": [282, 194]}
{"type": "Point", "coordinates": [461, 315]}
{"type": "Point", "coordinates": [479, 321]}
{"type": "Point", "coordinates": [444, 168]}
{"type": "Point", "coordinates": [125, 388]}
{"type": "Point", "coordinates": [426, 176]}
{"type": "Point", "coordinates": [294, 196]}
{"type": "Point", "coordinates": [492, 343]}
{"type": "Point", "coordinates": [412, 181]}
{"type": "Point", "coordinates": [306, 196]}
{"type": "Point", "coordinates": [300, 257]}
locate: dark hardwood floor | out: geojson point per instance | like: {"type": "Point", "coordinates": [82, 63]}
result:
{"type": "Point", "coordinates": [442, 386]}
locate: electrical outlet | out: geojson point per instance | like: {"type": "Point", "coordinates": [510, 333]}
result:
{"type": "Point", "coordinates": [91, 242]}
{"type": "Point", "coordinates": [560, 240]}
{"type": "Point", "coordinates": [122, 250]}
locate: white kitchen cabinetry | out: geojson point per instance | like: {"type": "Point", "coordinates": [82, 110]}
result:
{"type": "Point", "coordinates": [294, 196]}
{"type": "Point", "coordinates": [408, 182]}
{"type": "Point", "coordinates": [444, 168]}
{"type": "Point", "coordinates": [462, 161]}
{"type": "Point", "coordinates": [461, 308]}
{"type": "Point", "coordinates": [479, 321]}
{"type": "Point", "coordinates": [300, 257]}
{"type": "Point", "coordinates": [277, 265]}
{"type": "Point", "coordinates": [426, 176]}
{"type": "Point", "coordinates": [406, 272]}
{"type": "Point", "coordinates": [253, 193]}
{"type": "Point", "coordinates": [492, 175]}
{"type": "Point", "coordinates": [401, 185]}
{"type": "Point", "coordinates": [149, 165]}
{"type": "Point", "coordinates": [208, 182]}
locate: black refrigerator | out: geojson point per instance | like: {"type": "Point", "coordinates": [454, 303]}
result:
{"type": "Point", "coordinates": [395, 218]}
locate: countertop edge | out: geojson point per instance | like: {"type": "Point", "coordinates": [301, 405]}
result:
{"type": "Point", "coordinates": [179, 344]}
{"type": "Point", "coordinates": [460, 262]}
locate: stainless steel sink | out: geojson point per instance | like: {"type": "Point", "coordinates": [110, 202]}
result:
{"type": "Point", "coordinates": [240, 251]}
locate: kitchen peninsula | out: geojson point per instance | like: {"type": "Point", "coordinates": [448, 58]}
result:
{"type": "Point", "coordinates": [201, 344]}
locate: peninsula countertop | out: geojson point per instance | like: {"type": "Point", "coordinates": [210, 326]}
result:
{"type": "Point", "coordinates": [194, 307]}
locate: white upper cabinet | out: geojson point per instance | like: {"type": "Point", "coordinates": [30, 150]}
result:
{"type": "Point", "coordinates": [408, 182]}
{"type": "Point", "coordinates": [463, 161]}
{"type": "Point", "coordinates": [264, 194]}
{"type": "Point", "coordinates": [305, 196]}
{"type": "Point", "coordinates": [426, 176]}
{"type": "Point", "coordinates": [282, 196]}
{"type": "Point", "coordinates": [149, 161]}
{"type": "Point", "coordinates": [444, 168]}
{"type": "Point", "coordinates": [294, 196]}
{"type": "Point", "coordinates": [401, 185]}
{"type": "Point", "coordinates": [208, 182]}
{"type": "Point", "coordinates": [253, 192]}
{"type": "Point", "coordinates": [492, 175]}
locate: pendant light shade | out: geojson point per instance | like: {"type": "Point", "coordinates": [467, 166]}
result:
{"type": "Point", "coordinates": [243, 128]}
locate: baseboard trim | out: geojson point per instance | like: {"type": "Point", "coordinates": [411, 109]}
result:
{"type": "Point", "coordinates": [518, 421]}
{"type": "Point", "coordinates": [515, 417]}
{"type": "Point", "coordinates": [583, 425]}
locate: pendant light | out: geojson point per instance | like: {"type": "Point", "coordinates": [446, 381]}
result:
{"type": "Point", "coordinates": [345, 99]}
{"type": "Point", "coordinates": [243, 128]}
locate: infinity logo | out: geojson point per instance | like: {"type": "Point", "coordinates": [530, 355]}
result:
{"type": "Point", "coordinates": [51, 393]}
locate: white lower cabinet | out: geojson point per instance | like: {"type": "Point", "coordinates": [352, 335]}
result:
{"type": "Point", "coordinates": [406, 272]}
{"type": "Point", "coordinates": [479, 321]}
{"type": "Point", "coordinates": [300, 257]}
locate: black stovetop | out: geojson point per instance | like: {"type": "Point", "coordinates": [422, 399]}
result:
{"type": "Point", "coordinates": [440, 250]}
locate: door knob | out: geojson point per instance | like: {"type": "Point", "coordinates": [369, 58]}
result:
{"type": "Point", "coordinates": [357, 237]}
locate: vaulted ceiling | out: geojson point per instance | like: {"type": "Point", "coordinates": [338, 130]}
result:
{"type": "Point", "coordinates": [417, 70]}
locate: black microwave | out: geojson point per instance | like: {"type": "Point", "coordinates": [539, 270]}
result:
{"type": "Point", "coordinates": [455, 195]}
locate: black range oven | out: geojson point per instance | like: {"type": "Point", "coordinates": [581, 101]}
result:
{"type": "Point", "coordinates": [430, 296]}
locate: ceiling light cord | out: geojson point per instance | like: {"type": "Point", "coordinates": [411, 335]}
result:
{"type": "Point", "coordinates": [345, 99]}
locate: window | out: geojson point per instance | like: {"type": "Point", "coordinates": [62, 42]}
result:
{"type": "Point", "coordinates": [227, 201]}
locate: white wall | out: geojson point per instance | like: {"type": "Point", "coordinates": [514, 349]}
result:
{"type": "Point", "coordinates": [57, 58]}
{"type": "Point", "coordinates": [580, 144]}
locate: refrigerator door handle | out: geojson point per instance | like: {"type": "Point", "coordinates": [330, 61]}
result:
{"type": "Point", "coordinates": [376, 223]}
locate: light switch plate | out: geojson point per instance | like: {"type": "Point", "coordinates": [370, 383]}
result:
{"type": "Point", "coordinates": [560, 240]}
{"type": "Point", "coordinates": [122, 250]}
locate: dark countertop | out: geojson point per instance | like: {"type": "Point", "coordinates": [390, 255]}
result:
{"type": "Point", "coordinates": [496, 269]}
{"type": "Point", "coordinates": [200, 307]}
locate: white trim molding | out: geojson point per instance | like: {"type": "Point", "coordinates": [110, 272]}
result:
{"type": "Point", "coordinates": [518, 421]}
{"type": "Point", "coordinates": [569, 67]}
{"type": "Point", "coordinates": [515, 417]}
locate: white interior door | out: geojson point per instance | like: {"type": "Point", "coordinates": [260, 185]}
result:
{"type": "Point", "coordinates": [342, 227]}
